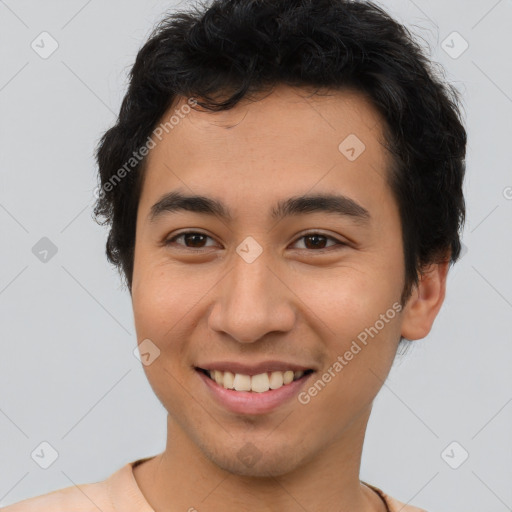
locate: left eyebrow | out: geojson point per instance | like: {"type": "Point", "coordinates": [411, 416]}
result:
{"type": "Point", "coordinates": [329, 203]}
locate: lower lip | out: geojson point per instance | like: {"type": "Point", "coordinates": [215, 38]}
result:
{"type": "Point", "coordinates": [251, 402]}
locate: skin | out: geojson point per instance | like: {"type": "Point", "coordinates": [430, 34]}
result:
{"type": "Point", "coordinates": [203, 302]}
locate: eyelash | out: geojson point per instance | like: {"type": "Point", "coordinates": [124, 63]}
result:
{"type": "Point", "coordinates": [312, 233]}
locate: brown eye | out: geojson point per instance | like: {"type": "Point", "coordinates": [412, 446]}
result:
{"type": "Point", "coordinates": [192, 239]}
{"type": "Point", "coordinates": [197, 240]}
{"type": "Point", "coordinates": [315, 241]}
{"type": "Point", "coordinates": [318, 241]}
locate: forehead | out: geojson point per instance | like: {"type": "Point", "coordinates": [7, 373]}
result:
{"type": "Point", "coordinates": [287, 139]}
{"type": "Point", "coordinates": [285, 112]}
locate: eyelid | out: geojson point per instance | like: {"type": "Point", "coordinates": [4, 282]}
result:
{"type": "Point", "coordinates": [325, 235]}
{"type": "Point", "coordinates": [170, 240]}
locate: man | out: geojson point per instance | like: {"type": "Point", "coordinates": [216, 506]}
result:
{"type": "Point", "coordinates": [284, 189]}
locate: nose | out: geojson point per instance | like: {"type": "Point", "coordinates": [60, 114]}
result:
{"type": "Point", "coordinates": [252, 301]}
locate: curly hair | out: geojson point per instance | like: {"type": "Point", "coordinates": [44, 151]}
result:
{"type": "Point", "coordinates": [232, 49]}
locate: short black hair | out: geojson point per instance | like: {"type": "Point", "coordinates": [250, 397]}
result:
{"type": "Point", "coordinates": [226, 50]}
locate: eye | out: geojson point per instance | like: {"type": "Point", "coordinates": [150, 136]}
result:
{"type": "Point", "coordinates": [317, 241]}
{"type": "Point", "coordinates": [195, 238]}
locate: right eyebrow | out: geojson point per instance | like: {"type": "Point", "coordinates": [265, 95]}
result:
{"type": "Point", "coordinates": [176, 201]}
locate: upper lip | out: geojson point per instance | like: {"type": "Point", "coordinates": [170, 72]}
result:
{"type": "Point", "coordinates": [253, 369]}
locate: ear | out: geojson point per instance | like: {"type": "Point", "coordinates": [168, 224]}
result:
{"type": "Point", "coordinates": [425, 301]}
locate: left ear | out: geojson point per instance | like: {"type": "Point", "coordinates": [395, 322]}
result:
{"type": "Point", "coordinates": [425, 301]}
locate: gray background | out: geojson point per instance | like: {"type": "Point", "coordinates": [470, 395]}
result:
{"type": "Point", "coordinates": [68, 375]}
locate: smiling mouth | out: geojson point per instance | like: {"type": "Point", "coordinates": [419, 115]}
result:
{"type": "Point", "coordinates": [256, 383]}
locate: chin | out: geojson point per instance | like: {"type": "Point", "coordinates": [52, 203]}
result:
{"type": "Point", "coordinates": [257, 459]}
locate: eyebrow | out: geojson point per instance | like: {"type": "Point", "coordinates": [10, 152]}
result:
{"type": "Point", "coordinates": [327, 203]}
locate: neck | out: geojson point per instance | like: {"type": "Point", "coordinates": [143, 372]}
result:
{"type": "Point", "coordinates": [183, 478]}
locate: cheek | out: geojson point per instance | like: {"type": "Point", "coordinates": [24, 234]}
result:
{"type": "Point", "coordinates": [163, 309]}
{"type": "Point", "coordinates": [347, 299]}
{"type": "Point", "coordinates": [169, 309]}
{"type": "Point", "coordinates": [162, 295]}
{"type": "Point", "coordinates": [358, 321]}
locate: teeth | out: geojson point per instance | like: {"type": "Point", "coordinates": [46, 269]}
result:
{"type": "Point", "coordinates": [287, 377]}
{"type": "Point", "coordinates": [276, 380]}
{"type": "Point", "coordinates": [228, 380]}
{"type": "Point", "coordinates": [242, 382]}
{"type": "Point", "coordinates": [217, 377]}
{"type": "Point", "coordinates": [257, 383]}
{"type": "Point", "coordinates": [260, 383]}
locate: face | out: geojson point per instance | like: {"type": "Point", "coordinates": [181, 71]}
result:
{"type": "Point", "coordinates": [312, 284]}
